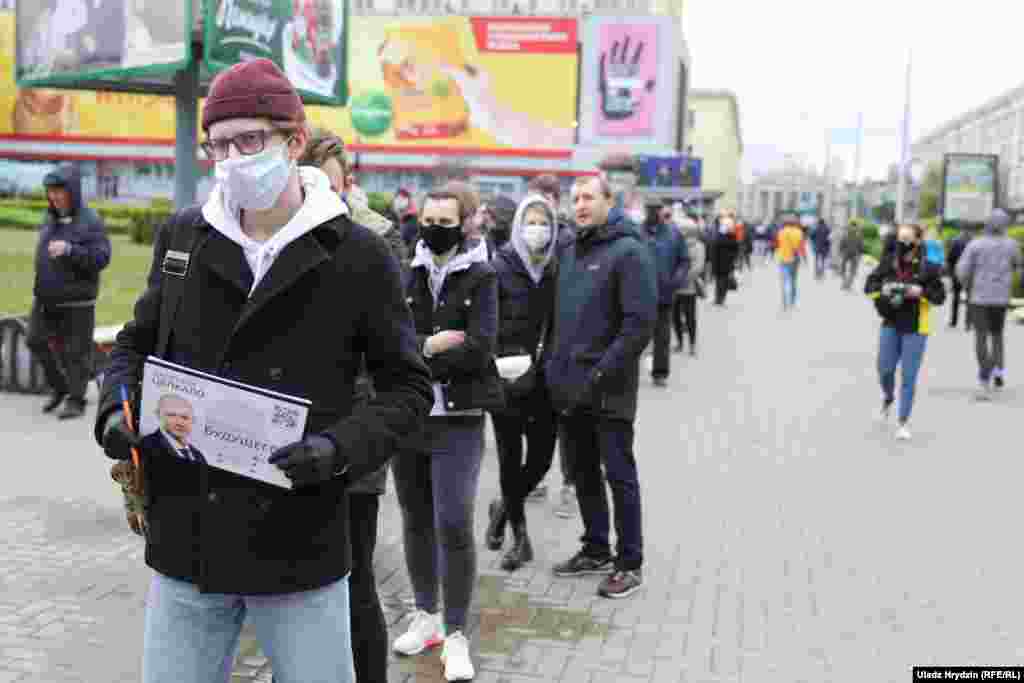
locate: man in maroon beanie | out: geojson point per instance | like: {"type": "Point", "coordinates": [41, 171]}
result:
{"type": "Point", "coordinates": [269, 284]}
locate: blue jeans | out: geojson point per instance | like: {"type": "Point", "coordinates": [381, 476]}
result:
{"type": "Point", "coordinates": [597, 442]}
{"type": "Point", "coordinates": [191, 637]}
{"type": "Point", "coordinates": [907, 351]}
{"type": "Point", "coordinates": [788, 272]}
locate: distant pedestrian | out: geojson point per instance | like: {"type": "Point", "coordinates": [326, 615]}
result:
{"type": "Point", "coordinates": [605, 311]}
{"type": "Point", "coordinates": [851, 251]}
{"type": "Point", "coordinates": [526, 269]}
{"type": "Point", "coordinates": [790, 251]}
{"type": "Point", "coordinates": [73, 249]}
{"type": "Point", "coordinates": [685, 304]}
{"type": "Point", "coordinates": [822, 238]}
{"type": "Point", "coordinates": [672, 264]}
{"type": "Point", "coordinates": [956, 249]}
{"type": "Point", "coordinates": [404, 214]}
{"type": "Point", "coordinates": [904, 287]}
{"type": "Point", "coordinates": [987, 267]}
{"type": "Point", "coordinates": [724, 253]}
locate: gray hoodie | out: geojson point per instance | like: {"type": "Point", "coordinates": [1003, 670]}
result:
{"type": "Point", "coordinates": [536, 269]}
{"type": "Point", "coordinates": [987, 265]}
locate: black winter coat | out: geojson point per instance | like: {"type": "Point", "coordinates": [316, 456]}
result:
{"type": "Point", "coordinates": [523, 308]}
{"type": "Point", "coordinates": [331, 298]}
{"type": "Point", "coordinates": [75, 276]}
{"type": "Point", "coordinates": [468, 302]}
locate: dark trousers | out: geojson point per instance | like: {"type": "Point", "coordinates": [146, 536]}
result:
{"type": "Point", "coordinates": [958, 290]}
{"type": "Point", "coordinates": [598, 442]}
{"type": "Point", "coordinates": [69, 368]}
{"type": "Point", "coordinates": [684, 308]}
{"type": "Point", "coordinates": [518, 478]}
{"type": "Point", "coordinates": [566, 456]}
{"type": "Point", "coordinates": [369, 630]}
{"type": "Point", "coordinates": [721, 287]}
{"type": "Point", "coordinates": [989, 323]}
{"type": "Point", "coordinates": [820, 259]}
{"type": "Point", "coordinates": [662, 342]}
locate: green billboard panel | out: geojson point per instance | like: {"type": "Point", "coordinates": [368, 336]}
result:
{"type": "Point", "coordinates": [132, 45]}
{"type": "Point", "coordinates": [306, 38]}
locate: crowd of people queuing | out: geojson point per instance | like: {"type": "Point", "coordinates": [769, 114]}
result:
{"type": "Point", "coordinates": [405, 331]}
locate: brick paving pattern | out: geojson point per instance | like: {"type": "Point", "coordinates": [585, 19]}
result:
{"type": "Point", "coordinates": [788, 536]}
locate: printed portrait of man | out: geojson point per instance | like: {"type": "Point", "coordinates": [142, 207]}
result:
{"type": "Point", "coordinates": [176, 417]}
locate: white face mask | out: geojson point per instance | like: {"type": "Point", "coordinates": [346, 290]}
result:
{"type": "Point", "coordinates": [536, 236]}
{"type": "Point", "coordinates": [638, 216]}
{"type": "Point", "coordinates": [401, 204]}
{"type": "Point", "coordinates": [255, 182]}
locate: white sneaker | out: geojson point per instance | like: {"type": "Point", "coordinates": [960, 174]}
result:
{"type": "Point", "coordinates": [455, 658]}
{"type": "Point", "coordinates": [903, 434]}
{"type": "Point", "coordinates": [424, 632]}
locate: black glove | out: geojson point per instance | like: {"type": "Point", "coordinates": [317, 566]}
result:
{"type": "Point", "coordinates": [313, 460]}
{"type": "Point", "coordinates": [118, 437]}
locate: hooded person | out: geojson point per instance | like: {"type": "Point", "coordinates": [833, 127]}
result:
{"type": "Point", "coordinates": [453, 293]}
{"type": "Point", "coordinates": [257, 275]}
{"type": "Point", "coordinates": [986, 270]}
{"type": "Point", "coordinates": [526, 269]}
{"type": "Point", "coordinates": [503, 210]}
{"type": "Point", "coordinates": [684, 306]}
{"type": "Point", "coordinates": [72, 250]}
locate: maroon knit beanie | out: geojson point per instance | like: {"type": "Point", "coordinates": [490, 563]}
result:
{"type": "Point", "coordinates": [253, 89]}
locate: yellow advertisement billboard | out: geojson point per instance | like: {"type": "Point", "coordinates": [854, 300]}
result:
{"type": "Point", "coordinates": [485, 84]}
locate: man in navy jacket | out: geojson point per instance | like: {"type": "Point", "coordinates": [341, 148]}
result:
{"type": "Point", "coordinates": [605, 311]}
{"type": "Point", "coordinates": [73, 248]}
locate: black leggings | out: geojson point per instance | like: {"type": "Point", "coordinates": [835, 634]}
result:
{"type": "Point", "coordinates": [369, 629]}
{"type": "Point", "coordinates": [684, 307]}
{"type": "Point", "coordinates": [518, 478]}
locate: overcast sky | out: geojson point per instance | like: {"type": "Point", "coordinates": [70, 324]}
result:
{"type": "Point", "coordinates": [799, 67]}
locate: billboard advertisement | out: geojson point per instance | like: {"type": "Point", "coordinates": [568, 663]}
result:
{"type": "Point", "coordinates": [461, 82]}
{"type": "Point", "coordinates": [630, 70]}
{"type": "Point", "coordinates": [306, 38]}
{"type": "Point", "coordinates": [969, 187]}
{"type": "Point", "coordinates": [63, 41]}
{"type": "Point", "coordinates": [628, 74]}
{"type": "Point", "coordinates": [669, 171]}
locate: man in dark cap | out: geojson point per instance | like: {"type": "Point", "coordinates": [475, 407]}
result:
{"type": "Point", "coordinates": [73, 248]}
{"type": "Point", "coordinates": [258, 274]}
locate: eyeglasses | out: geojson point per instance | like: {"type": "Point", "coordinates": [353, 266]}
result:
{"type": "Point", "coordinates": [247, 143]}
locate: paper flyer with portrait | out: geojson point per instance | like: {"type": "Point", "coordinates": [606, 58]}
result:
{"type": "Point", "coordinates": [207, 419]}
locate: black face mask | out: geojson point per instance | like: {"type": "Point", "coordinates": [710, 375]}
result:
{"type": "Point", "coordinates": [439, 238]}
{"type": "Point", "coordinates": [904, 248]}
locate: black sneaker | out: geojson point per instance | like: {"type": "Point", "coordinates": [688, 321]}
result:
{"type": "Point", "coordinates": [581, 564]}
{"type": "Point", "coordinates": [55, 400]}
{"type": "Point", "coordinates": [621, 584]}
{"type": "Point", "coordinates": [73, 407]}
{"type": "Point", "coordinates": [660, 381]}
{"type": "Point", "coordinates": [998, 381]}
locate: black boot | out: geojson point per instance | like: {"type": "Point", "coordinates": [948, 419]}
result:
{"type": "Point", "coordinates": [55, 400]}
{"type": "Point", "coordinates": [521, 551]}
{"type": "Point", "coordinates": [73, 407]}
{"type": "Point", "coordinates": [496, 528]}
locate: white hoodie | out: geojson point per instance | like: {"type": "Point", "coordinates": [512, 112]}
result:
{"type": "Point", "coordinates": [321, 205]}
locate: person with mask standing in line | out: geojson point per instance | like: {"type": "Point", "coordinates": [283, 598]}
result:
{"type": "Point", "coordinates": [267, 253]}
{"type": "Point", "coordinates": [453, 293]}
{"type": "Point", "coordinates": [72, 251]}
{"type": "Point", "coordinates": [956, 249]}
{"type": "Point", "coordinates": [326, 151]}
{"type": "Point", "coordinates": [526, 268]}
{"type": "Point", "coordinates": [685, 305]}
{"type": "Point", "coordinates": [724, 250]}
{"type": "Point", "coordinates": [672, 265]}
{"type": "Point", "coordinates": [904, 287]}
{"type": "Point", "coordinates": [986, 268]}
{"type": "Point", "coordinates": [606, 306]}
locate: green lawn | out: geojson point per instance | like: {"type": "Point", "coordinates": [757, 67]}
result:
{"type": "Point", "coordinates": [120, 286]}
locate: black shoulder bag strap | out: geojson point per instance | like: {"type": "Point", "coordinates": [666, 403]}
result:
{"type": "Point", "coordinates": [184, 243]}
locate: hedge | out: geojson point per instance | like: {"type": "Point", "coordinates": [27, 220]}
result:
{"type": "Point", "coordinates": [27, 214]}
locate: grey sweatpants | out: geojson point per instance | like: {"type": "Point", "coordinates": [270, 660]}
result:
{"type": "Point", "coordinates": [437, 487]}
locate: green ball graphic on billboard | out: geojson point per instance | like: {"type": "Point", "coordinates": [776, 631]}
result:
{"type": "Point", "coordinates": [372, 113]}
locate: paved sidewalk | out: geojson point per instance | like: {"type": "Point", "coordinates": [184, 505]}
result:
{"type": "Point", "coordinates": [788, 536]}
